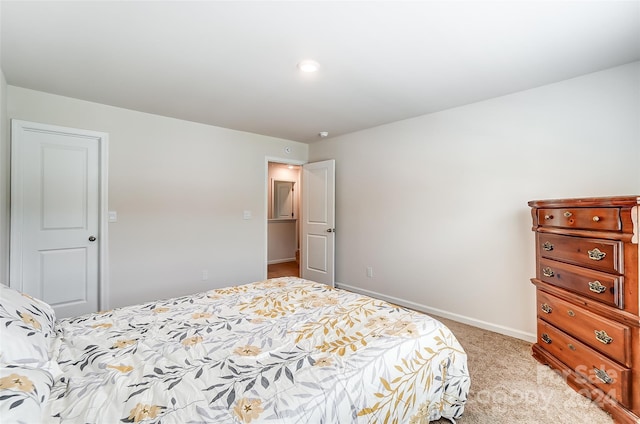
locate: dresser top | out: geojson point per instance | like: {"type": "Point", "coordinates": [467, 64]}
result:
{"type": "Point", "coordinates": [587, 202]}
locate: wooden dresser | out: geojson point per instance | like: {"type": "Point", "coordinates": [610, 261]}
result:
{"type": "Point", "coordinates": [588, 298]}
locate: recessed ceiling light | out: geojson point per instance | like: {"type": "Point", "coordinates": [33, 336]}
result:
{"type": "Point", "coordinates": [323, 134]}
{"type": "Point", "coordinates": [308, 66]}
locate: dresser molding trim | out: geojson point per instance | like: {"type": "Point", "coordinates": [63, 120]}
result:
{"type": "Point", "coordinates": [635, 219]}
{"type": "Point", "coordinates": [592, 305]}
{"type": "Point", "coordinates": [607, 235]}
{"type": "Point", "coordinates": [587, 202]}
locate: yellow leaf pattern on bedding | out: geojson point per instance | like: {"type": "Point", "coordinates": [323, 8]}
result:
{"type": "Point", "coordinates": [267, 306]}
{"type": "Point", "coordinates": [248, 409]}
{"type": "Point", "coordinates": [341, 345]}
{"type": "Point", "coordinates": [422, 416]}
{"type": "Point", "coordinates": [247, 350]}
{"type": "Point", "coordinates": [160, 310]}
{"type": "Point", "coordinates": [201, 315]}
{"type": "Point", "coordinates": [16, 382]}
{"type": "Point", "coordinates": [416, 372]}
{"type": "Point", "coordinates": [402, 328]}
{"type": "Point", "coordinates": [103, 325]}
{"type": "Point", "coordinates": [323, 362]}
{"type": "Point", "coordinates": [30, 320]}
{"type": "Point", "coordinates": [143, 412]}
{"type": "Point", "coordinates": [122, 368]}
{"type": "Point", "coordinates": [123, 343]}
{"type": "Point", "coordinates": [229, 290]}
{"type": "Point", "coordinates": [281, 303]}
{"type": "Point", "coordinates": [192, 341]}
{"type": "Point", "coordinates": [346, 316]}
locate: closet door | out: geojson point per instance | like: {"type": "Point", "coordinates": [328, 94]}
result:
{"type": "Point", "coordinates": [56, 209]}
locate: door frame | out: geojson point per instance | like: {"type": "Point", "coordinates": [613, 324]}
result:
{"type": "Point", "coordinates": [16, 210]}
{"type": "Point", "coordinates": [267, 159]}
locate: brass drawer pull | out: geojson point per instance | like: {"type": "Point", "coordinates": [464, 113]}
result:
{"type": "Point", "coordinates": [596, 218]}
{"type": "Point", "coordinates": [596, 254]}
{"type": "Point", "coordinates": [545, 338]}
{"type": "Point", "coordinates": [602, 376]}
{"type": "Point", "coordinates": [548, 217]}
{"type": "Point", "coordinates": [597, 287]}
{"type": "Point", "coordinates": [572, 347]}
{"type": "Point", "coordinates": [567, 214]}
{"type": "Point", "coordinates": [547, 246]}
{"type": "Point", "coordinates": [603, 337]}
{"type": "Point", "coordinates": [546, 308]}
{"type": "Point", "coordinates": [571, 313]}
{"type": "Point", "coordinates": [548, 272]}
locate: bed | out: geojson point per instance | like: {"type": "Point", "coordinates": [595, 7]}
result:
{"type": "Point", "coordinates": [284, 350]}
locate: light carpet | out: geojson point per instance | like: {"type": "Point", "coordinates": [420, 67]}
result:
{"type": "Point", "coordinates": [509, 386]}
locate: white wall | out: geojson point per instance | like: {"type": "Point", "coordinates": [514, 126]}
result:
{"type": "Point", "coordinates": [283, 241]}
{"type": "Point", "coordinates": [437, 205]}
{"type": "Point", "coordinates": [4, 182]}
{"type": "Point", "coordinates": [180, 189]}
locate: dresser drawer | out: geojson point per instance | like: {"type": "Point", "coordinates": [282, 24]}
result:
{"type": "Point", "coordinates": [603, 287]}
{"type": "Point", "coordinates": [608, 376]}
{"type": "Point", "coordinates": [603, 219]}
{"type": "Point", "coordinates": [604, 255]}
{"type": "Point", "coordinates": [606, 336]}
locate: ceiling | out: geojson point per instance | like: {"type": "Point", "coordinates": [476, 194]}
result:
{"type": "Point", "coordinates": [233, 63]}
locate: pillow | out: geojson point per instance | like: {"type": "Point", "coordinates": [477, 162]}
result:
{"type": "Point", "coordinates": [23, 393]}
{"type": "Point", "coordinates": [28, 328]}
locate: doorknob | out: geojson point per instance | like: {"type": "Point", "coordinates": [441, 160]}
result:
{"type": "Point", "coordinates": [92, 238]}
{"type": "Point", "coordinates": [331, 230]}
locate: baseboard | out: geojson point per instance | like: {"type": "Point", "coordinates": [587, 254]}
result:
{"type": "Point", "coordinates": [279, 261]}
{"type": "Point", "coordinates": [511, 332]}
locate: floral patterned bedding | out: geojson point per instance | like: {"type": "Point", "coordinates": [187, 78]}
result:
{"type": "Point", "coordinates": [285, 350]}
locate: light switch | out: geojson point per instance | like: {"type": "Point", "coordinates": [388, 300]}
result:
{"type": "Point", "coordinates": [113, 216]}
{"type": "Point", "coordinates": [246, 215]}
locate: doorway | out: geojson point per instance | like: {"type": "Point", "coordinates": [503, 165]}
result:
{"type": "Point", "coordinates": [283, 219]}
{"type": "Point", "coordinates": [314, 216]}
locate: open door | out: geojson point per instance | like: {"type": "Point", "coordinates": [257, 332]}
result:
{"type": "Point", "coordinates": [318, 222]}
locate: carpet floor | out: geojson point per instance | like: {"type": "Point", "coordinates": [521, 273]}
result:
{"type": "Point", "coordinates": [509, 386]}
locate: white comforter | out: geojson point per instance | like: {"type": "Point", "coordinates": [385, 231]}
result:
{"type": "Point", "coordinates": [284, 350]}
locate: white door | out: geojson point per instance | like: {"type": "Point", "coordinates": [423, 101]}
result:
{"type": "Point", "coordinates": [55, 215]}
{"type": "Point", "coordinates": [318, 221]}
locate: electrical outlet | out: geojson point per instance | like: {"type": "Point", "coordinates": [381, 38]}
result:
{"type": "Point", "coordinates": [369, 272]}
{"type": "Point", "coordinates": [205, 274]}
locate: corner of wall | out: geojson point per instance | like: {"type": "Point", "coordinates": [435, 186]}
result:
{"type": "Point", "coordinates": [4, 181]}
